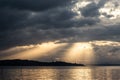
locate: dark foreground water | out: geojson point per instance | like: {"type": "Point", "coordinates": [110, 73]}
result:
{"type": "Point", "coordinates": [60, 73]}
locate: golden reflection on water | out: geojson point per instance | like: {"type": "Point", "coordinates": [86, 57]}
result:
{"type": "Point", "coordinates": [60, 73]}
{"type": "Point", "coordinates": [81, 74]}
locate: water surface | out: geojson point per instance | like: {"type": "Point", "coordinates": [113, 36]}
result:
{"type": "Point", "coordinates": [60, 73]}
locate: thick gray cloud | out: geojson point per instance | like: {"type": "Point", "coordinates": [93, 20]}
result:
{"type": "Point", "coordinates": [34, 35]}
{"type": "Point", "coordinates": [107, 53]}
{"type": "Point", "coordinates": [92, 9]}
{"type": "Point", "coordinates": [24, 22]}
{"type": "Point", "coordinates": [12, 18]}
{"type": "Point", "coordinates": [33, 5]}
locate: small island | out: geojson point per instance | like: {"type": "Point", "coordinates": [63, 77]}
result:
{"type": "Point", "coordinates": [18, 62]}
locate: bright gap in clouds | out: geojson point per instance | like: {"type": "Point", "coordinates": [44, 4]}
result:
{"type": "Point", "coordinates": [76, 52]}
{"type": "Point", "coordinates": [38, 51]}
{"type": "Point", "coordinates": [77, 6]}
{"type": "Point", "coordinates": [80, 52]}
{"type": "Point", "coordinates": [110, 9]}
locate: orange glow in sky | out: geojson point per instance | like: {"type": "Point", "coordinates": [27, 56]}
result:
{"type": "Point", "coordinates": [79, 52]}
{"type": "Point", "coordinates": [38, 51]}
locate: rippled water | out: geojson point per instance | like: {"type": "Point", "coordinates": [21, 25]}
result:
{"type": "Point", "coordinates": [60, 73]}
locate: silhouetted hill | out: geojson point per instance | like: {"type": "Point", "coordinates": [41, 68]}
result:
{"type": "Point", "coordinates": [35, 63]}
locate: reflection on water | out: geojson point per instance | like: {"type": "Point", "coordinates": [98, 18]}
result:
{"type": "Point", "coordinates": [60, 73]}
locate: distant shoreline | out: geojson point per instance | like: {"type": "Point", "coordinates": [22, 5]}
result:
{"type": "Point", "coordinates": [35, 63]}
{"type": "Point", "coordinates": [17, 62]}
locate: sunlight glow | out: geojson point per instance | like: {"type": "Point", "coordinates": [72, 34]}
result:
{"type": "Point", "coordinates": [17, 48]}
{"type": "Point", "coordinates": [39, 51]}
{"type": "Point", "coordinates": [80, 52]}
{"type": "Point", "coordinates": [80, 5]}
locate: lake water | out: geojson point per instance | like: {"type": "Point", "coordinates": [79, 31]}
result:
{"type": "Point", "coordinates": [60, 73]}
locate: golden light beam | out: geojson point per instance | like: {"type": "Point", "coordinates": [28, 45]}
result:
{"type": "Point", "coordinates": [56, 54]}
{"type": "Point", "coordinates": [80, 52]}
{"type": "Point", "coordinates": [39, 51]}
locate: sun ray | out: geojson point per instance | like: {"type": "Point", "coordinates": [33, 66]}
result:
{"type": "Point", "coordinates": [39, 51]}
{"type": "Point", "coordinates": [80, 53]}
{"type": "Point", "coordinates": [56, 54]}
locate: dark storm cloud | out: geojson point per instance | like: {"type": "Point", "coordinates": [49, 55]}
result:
{"type": "Point", "coordinates": [18, 26]}
{"type": "Point", "coordinates": [33, 5]}
{"type": "Point", "coordinates": [11, 18]}
{"type": "Point", "coordinates": [92, 9]}
{"type": "Point", "coordinates": [24, 22]}
{"type": "Point", "coordinates": [33, 36]}
{"type": "Point", "coordinates": [14, 13]}
{"type": "Point", "coordinates": [62, 19]}
{"type": "Point", "coordinates": [110, 32]}
{"type": "Point", "coordinates": [100, 32]}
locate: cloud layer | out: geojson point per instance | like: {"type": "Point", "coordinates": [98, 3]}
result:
{"type": "Point", "coordinates": [24, 22]}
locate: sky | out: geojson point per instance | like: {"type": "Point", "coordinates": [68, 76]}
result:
{"type": "Point", "coordinates": [82, 31]}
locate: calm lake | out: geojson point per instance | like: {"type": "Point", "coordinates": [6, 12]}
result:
{"type": "Point", "coordinates": [60, 73]}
